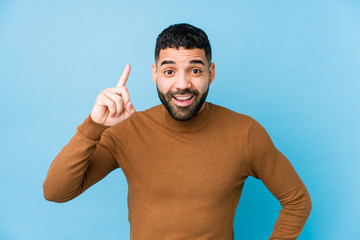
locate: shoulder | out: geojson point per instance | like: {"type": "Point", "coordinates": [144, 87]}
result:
{"type": "Point", "coordinates": [229, 116]}
{"type": "Point", "coordinates": [138, 118]}
{"type": "Point", "coordinates": [139, 121]}
{"type": "Point", "coordinates": [148, 116]}
{"type": "Point", "coordinates": [152, 112]}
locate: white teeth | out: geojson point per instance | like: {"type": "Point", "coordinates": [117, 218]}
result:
{"type": "Point", "coordinates": [183, 98]}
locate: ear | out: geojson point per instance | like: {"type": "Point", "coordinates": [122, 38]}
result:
{"type": "Point", "coordinates": [212, 72]}
{"type": "Point", "coordinates": [154, 72]}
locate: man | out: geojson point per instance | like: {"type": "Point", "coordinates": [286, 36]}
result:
{"type": "Point", "coordinates": [186, 160]}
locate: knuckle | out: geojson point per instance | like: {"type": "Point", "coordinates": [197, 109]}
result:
{"type": "Point", "coordinates": [112, 105]}
{"type": "Point", "coordinates": [101, 96]}
{"type": "Point", "coordinates": [120, 88]}
{"type": "Point", "coordinates": [118, 99]}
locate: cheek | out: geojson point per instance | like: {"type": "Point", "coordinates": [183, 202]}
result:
{"type": "Point", "coordinates": [164, 85]}
{"type": "Point", "coordinates": [201, 85]}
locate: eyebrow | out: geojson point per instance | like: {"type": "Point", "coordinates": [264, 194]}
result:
{"type": "Point", "coordinates": [167, 62]}
{"type": "Point", "coordinates": [191, 62]}
{"type": "Point", "coordinates": [197, 61]}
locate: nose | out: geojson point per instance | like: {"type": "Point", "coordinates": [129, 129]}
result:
{"type": "Point", "coordinates": [183, 81]}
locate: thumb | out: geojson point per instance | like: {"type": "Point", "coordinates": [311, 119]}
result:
{"type": "Point", "coordinates": [130, 108]}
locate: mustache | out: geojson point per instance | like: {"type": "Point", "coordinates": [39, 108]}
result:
{"type": "Point", "coordinates": [183, 92]}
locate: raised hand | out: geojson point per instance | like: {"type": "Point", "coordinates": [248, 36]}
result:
{"type": "Point", "coordinates": [113, 104]}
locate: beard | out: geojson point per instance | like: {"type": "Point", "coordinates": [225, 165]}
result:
{"type": "Point", "coordinates": [183, 113]}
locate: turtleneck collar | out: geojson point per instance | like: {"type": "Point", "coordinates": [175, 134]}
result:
{"type": "Point", "coordinates": [198, 122]}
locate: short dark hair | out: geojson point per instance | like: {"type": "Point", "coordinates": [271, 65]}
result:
{"type": "Point", "coordinates": [183, 35]}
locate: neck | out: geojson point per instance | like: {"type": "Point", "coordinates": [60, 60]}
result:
{"type": "Point", "coordinates": [199, 121]}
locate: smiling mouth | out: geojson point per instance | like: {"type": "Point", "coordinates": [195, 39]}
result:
{"type": "Point", "coordinates": [183, 98]}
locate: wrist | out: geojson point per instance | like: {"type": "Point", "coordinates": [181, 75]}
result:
{"type": "Point", "coordinates": [91, 129]}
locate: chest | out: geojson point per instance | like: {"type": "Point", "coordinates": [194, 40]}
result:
{"type": "Point", "coordinates": [206, 164]}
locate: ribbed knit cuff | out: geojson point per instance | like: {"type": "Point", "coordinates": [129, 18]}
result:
{"type": "Point", "coordinates": [91, 129]}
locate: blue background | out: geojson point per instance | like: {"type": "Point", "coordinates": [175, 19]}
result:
{"type": "Point", "coordinates": [292, 65]}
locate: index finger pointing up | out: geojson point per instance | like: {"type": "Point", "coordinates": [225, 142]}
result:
{"type": "Point", "coordinates": [124, 76]}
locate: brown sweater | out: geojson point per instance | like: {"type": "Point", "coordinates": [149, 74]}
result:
{"type": "Point", "coordinates": [184, 178]}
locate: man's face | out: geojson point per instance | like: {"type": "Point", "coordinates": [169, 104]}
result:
{"type": "Point", "coordinates": [182, 77]}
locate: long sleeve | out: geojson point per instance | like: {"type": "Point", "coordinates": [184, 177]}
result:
{"type": "Point", "coordinates": [276, 172]}
{"type": "Point", "coordinates": [84, 161]}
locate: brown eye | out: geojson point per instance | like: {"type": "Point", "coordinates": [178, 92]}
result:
{"type": "Point", "coordinates": [169, 72]}
{"type": "Point", "coordinates": [196, 71]}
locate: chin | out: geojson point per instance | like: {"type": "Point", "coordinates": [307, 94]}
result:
{"type": "Point", "coordinates": [181, 113]}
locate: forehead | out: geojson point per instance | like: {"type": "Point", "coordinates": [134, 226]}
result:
{"type": "Point", "coordinates": [181, 54]}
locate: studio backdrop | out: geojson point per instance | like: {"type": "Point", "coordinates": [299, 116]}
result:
{"type": "Point", "coordinates": [291, 65]}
